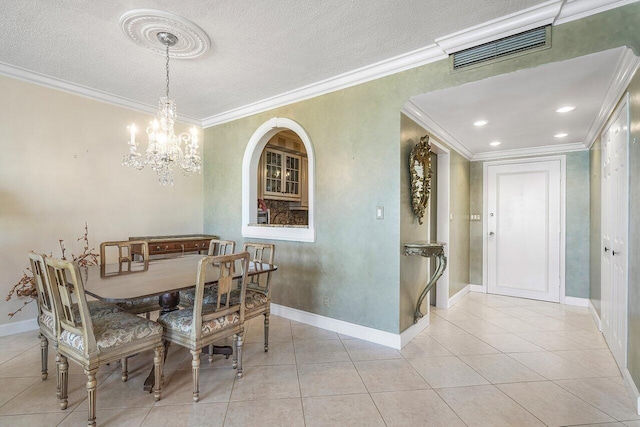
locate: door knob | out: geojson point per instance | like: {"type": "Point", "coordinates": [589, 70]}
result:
{"type": "Point", "coordinates": [606, 249]}
{"type": "Point", "coordinates": [491, 233]}
{"type": "Point", "coordinates": [614, 253]}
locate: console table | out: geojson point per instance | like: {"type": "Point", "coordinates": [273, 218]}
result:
{"type": "Point", "coordinates": [178, 244]}
{"type": "Point", "coordinates": [427, 250]}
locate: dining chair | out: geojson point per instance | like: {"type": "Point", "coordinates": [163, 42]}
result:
{"type": "Point", "coordinates": [258, 297]}
{"type": "Point", "coordinates": [94, 341]}
{"type": "Point", "coordinates": [200, 325]}
{"type": "Point", "coordinates": [122, 252]}
{"type": "Point", "coordinates": [216, 247]}
{"type": "Point", "coordinates": [46, 318]}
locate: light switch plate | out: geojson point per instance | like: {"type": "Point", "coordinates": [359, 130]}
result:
{"type": "Point", "coordinates": [379, 212]}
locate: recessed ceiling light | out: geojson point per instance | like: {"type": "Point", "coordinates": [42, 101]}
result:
{"type": "Point", "coordinates": [495, 143]}
{"type": "Point", "coordinates": [480, 123]}
{"type": "Point", "coordinates": [565, 109]}
{"type": "Point", "coordinates": [560, 135]}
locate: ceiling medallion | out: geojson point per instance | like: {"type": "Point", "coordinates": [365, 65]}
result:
{"type": "Point", "coordinates": [142, 26]}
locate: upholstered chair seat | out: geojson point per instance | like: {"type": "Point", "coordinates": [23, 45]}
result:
{"type": "Point", "coordinates": [140, 305]}
{"type": "Point", "coordinates": [181, 321]}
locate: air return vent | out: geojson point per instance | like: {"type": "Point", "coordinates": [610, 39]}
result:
{"type": "Point", "coordinates": [538, 38]}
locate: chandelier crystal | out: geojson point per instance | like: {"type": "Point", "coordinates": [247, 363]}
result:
{"type": "Point", "coordinates": [165, 148]}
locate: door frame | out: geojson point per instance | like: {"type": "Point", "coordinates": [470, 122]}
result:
{"type": "Point", "coordinates": [485, 214]}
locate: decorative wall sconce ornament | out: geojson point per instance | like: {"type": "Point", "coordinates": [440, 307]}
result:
{"type": "Point", "coordinates": [420, 168]}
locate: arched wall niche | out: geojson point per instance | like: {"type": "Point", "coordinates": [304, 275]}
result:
{"type": "Point", "coordinates": [252, 153]}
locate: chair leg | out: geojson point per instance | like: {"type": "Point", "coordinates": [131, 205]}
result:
{"type": "Point", "coordinates": [210, 353]}
{"type": "Point", "coordinates": [158, 364]}
{"type": "Point", "coordinates": [91, 394]}
{"type": "Point", "coordinates": [63, 381]}
{"type": "Point", "coordinates": [239, 353]}
{"type": "Point", "coordinates": [44, 349]}
{"type": "Point", "coordinates": [195, 367]}
{"type": "Point", "coordinates": [125, 369]}
{"type": "Point", "coordinates": [55, 346]}
{"type": "Point", "coordinates": [235, 351]}
{"type": "Point", "coordinates": [266, 332]}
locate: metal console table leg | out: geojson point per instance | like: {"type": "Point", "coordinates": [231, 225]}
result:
{"type": "Point", "coordinates": [427, 250]}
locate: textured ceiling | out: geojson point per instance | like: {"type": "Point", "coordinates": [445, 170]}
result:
{"type": "Point", "coordinates": [259, 48]}
{"type": "Point", "coordinates": [520, 106]}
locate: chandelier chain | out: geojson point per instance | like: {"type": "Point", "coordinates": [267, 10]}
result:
{"type": "Point", "coordinates": [167, 66]}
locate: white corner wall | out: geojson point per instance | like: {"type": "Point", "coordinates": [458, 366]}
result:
{"type": "Point", "coordinates": [61, 166]}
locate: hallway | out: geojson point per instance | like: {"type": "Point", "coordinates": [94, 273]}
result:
{"type": "Point", "coordinates": [488, 361]}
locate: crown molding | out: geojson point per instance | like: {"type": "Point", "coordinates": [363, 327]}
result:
{"type": "Point", "coordinates": [414, 112]}
{"type": "Point", "coordinates": [523, 20]}
{"type": "Point", "coordinates": [627, 67]}
{"type": "Point", "coordinates": [533, 151]}
{"type": "Point", "coordinates": [416, 58]}
{"type": "Point", "coordinates": [578, 9]}
{"type": "Point", "coordinates": [28, 76]}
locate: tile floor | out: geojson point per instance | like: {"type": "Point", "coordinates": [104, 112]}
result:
{"type": "Point", "coordinates": [488, 361]}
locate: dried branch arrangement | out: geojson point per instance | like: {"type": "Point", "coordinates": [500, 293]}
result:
{"type": "Point", "coordinates": [26, 286]}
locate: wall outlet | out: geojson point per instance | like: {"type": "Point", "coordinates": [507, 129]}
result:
{"type": "Point", "coordinates": [326, 301]}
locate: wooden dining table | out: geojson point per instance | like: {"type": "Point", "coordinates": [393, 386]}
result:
{"type": "Point", "coordinates": [163, 278]}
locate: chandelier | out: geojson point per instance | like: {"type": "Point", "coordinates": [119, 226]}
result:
{"type": "Point", "coordinates": [165, 149]}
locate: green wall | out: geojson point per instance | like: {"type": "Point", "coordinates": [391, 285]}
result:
{"type": "Point", "coordinates": [355, 261]}
{"type": "Point", "coordinates": [595, 208]}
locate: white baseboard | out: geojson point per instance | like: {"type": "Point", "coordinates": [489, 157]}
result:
{"type": "Point", "coordinates": [458, 296]}
{"type": "Point", "coordinates": [18, 327]}
{"type": "Point", "coordinates": [358, 331]}
{"type": "Point", "coordinates": [476, 288]}
{"type": "Point", "coordinates": [595, 315]}
{"type": "Point", "coordinates": [579, 302]}
{"type": "Point", "coordinates": [632, 388]}
{"type": "Point", "coordinates": [412, 331]}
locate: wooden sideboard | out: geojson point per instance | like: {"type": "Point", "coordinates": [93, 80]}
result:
{"type": "Point", "coordinates": [178, 244]}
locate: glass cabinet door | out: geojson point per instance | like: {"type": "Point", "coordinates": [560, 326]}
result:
{"type": "Point", "coordinates": [282, 175]}
{"type": "Point", "coordinates": [273, 181]}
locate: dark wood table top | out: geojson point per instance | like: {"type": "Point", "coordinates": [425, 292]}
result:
{"type": "Point", "coordinates": [121, 282]}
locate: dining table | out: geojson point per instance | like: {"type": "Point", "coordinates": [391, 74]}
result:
{"type": "Point", "coordinates": [163, 278]}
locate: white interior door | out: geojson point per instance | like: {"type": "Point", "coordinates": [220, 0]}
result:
{"type": "Point", "coordinates": [524, 229]}
{"type": "Point", "coordinates": [615, 215]}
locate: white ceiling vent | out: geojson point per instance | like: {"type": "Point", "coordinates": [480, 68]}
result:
{"type": "Point", "coordinates": [538, 39]}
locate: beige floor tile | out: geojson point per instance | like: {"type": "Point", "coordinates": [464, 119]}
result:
{"type": "Point", "coordinates": [281, 412]}
{"type": "Point", "coordinates": [280, 353]}
{"type": "Point", "coordinates": [519, 312]}
{"type": "Point", "coordinates": [500, 368]}
{"type": "Point", "coordinates": [592, 340]}
{"type": "Point", "coordinates": [352, 410]}
{"type": "Point", "coordinates": [454, 313]}
{"type": "Point", "coordinates": [552, 323]}
{"type": "Point", "coordinates": [131, 417]}
{"type": "Point", "coordinates": [617, 380]}
{"type": "Point", "coordinates": [33, 420]}
{"type": "Point", "coordinates": [267, 382]}
{"type": "Point", "coordinates": [478, 326]}
{"type": "Point", "coordinates": [513, 324]}
{"type": "Point", "coordinates": [323, 379]}
{"type": "Point", "coordinates": [5, 356]}
{"type": "Point", "coordinates": [113, 393]}
{"type": "Point", "coordinates": [610, 398]}
{"type": "Point", "coordinates": [552, 366]}
{"type": "Point", "coordinates": [320, 351]}
{"type": "Point", "coordinates": [191, 415]}
{"type": "Point", "coordinates": [632, 423]}
{"type": "Point", "coordinates": [442, 327]}
{"type": "Point", "coordinates": [600, 362]}
{"type": "Point", "coordinates": [415, 408]}
{"type": "Point", "coordinates": [390, 375]}
{"type": "Point", "coordinates": [446, 371]}
{"type": "Point", "coordinates": [486, 406]}
{"type": "Point", "coordinates": [215, 386]}
{"type": "Point", "coordinates": [585, 322]}
{"type": "Point", "coordinates": [551, 341]}
{"type": "Point", "coordinates": [11, 387]}
{"type": "Point", "coordinates": [463, 344]}
{"type": "Point", "coordinates": [424, 346]}
{"type": "Point", "coordinates": [554, 405]}
{"type": "Point", "coordinates": [509, 343]}
{"type": "Point", "coordinates": [19, 342]}
{"type": "Point", "coordinates": [276, 334]}
{"type": "Point", "coordinates": [307, 332]}
{"type": "Point", "coordinates": [365, 350]}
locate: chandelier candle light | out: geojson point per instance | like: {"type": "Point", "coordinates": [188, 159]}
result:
{"type": "Point", "coordinates": [165, 150]}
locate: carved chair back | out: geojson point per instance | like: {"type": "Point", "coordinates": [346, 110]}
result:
{"type": "Point", "coordinates": [221, 247]}
{"type": "Point", "coordinates": [260, 253]}
{"type": "Point", "coordinates": [43, 286]}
